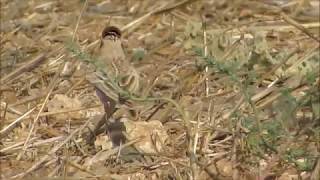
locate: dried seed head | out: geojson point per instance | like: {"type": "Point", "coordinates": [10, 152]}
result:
{"type": "Point", "coordinates": [111, 32]}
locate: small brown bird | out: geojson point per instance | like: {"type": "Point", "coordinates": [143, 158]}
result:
{"type": "Point", "coordinates": [113, 76]}
{"type": "Point", "coordinates": [115, 63]}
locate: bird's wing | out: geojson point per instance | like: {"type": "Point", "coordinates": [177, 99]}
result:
{"type": "Point", "coordinates": [104, 85]}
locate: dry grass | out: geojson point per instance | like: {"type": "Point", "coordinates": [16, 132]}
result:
{"type": "Point", "coordinates": [235, 85]}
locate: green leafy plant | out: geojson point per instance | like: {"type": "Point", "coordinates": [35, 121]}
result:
{"type": "Point", "coordinates": [300, 158]}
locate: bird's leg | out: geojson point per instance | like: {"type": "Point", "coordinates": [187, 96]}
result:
{"type": "Point", "coordinates": [109, 108]}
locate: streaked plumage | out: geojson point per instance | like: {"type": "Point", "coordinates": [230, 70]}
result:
{"type": "Point", "coordinates": [113, 76]}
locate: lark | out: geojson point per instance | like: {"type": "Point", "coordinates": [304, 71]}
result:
{"type": "Point", "coordinates": [114, 76]}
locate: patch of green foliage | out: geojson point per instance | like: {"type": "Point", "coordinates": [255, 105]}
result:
{"type": "Point", "coordinates": [263, 140]}
{"type": "Point", "coordinates": [265, 137]}
{"type": "Point", "coordinates": [300, 158]}
{"type": "Point", "coordinates": [138, 54]}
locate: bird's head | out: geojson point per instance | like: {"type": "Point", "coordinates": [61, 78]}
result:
{"type": "Point", "coordinates": [111, 33]}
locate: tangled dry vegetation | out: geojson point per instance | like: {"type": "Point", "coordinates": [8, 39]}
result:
{"type": "Point", "coordinates": [229, 89]}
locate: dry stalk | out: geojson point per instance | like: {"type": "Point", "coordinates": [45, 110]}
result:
{"type": "Point", "coordinates": [15, 123]}
{"type": "Point", "coordinates": [16, 146]}
{"type": "Point", "coordinates": [34, 144]}
{"type": "Point", "coordinates": [63, 111]}
{"type": "Point", "coordinates": [312, 52]}
{"type": "Point", "coordinates": [79, 18]}
{"type": "Point", "coordinates": [25, 68]}
{"type": "Point", "coordinates": [3, 116]}
{"type": "Point", "coordinates": [234, 109]}
{"type": "Point", "coordinates": [54, 150]}
{"type": "Point", "coordinates": [34, 98]}
{"type": "Point", "coordinates": [75, 85]}
{"type": "Point", "coordinates": [134, 24]}
{"type": "Point", "coordinates": [51, 87]}
{"type": "Point", "coordinates": [298, 26]}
